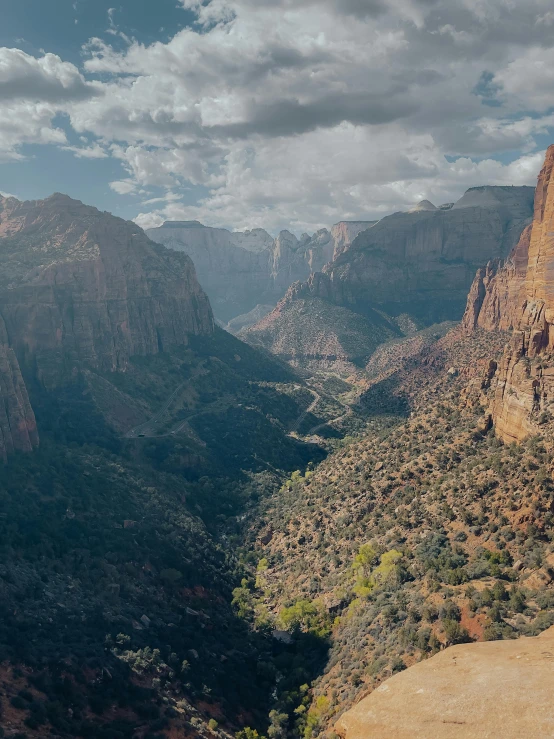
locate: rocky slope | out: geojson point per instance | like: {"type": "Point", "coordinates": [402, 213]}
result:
{"type": "Point", "coordinates": [312, 333]}
{"type": "Point", "coordinates": [518, 296]}
{"type": "Point", "coordinates": [78, 286]}
{"type": "Point", "coordinates": [240, 270]}
{"type": "Point", "coordinates": [423, 262]}
{"type": "Point", "coordinates": [457, 694]}
{"type": "Point", "coordinates": [425, 531]}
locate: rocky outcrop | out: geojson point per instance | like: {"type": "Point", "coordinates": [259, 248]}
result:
{"type": "Point", "coordinates": [487, 689]}
{"type": "Point", "coordinates": [519, 296]}
{"type": "Point", "coordinates": [422, 263]}
{"type": "Point", "coordinates": [496, 295]}
{"type": "Point", "coordinates": [242, 270]}
{"type": "Point", "coordinates": [18, 430]}
{"type": "Point", "coordinates": [83, 288]}
{"type": "Point", "coordinates": [344, 233]}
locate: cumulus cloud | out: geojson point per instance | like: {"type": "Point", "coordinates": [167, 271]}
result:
{"type": "Point", "coordinates": [27, 123]}
{"type": "Point", "coordinates": [300, 112]}
{"type": "Point", "coordinates": [48, 79]}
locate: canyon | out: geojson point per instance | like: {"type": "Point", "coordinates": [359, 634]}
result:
{"type": "Point", "coordinates": [230, 537]}
{"type": "Point", "coordinates": [240, 270]}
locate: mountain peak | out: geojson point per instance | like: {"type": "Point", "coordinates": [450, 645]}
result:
{"type": "Point", "coordinates": [423, 205]}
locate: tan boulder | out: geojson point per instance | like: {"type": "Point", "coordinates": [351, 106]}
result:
{"type": "Point", "coordinates": [500, 689]}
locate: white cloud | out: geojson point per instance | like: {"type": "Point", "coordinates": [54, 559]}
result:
{"type": "Point", "coordinates": [300, 112]}
{"type": "Point", "coordinates": [25, 122]}
{"type": "Point", "coordinates": [529, 79]}
{"type": "Point", "coordinates": [48, 79]}
{"type": "Point", "coordinates": [123, 187]}
{"type": "Point", "coordinates": [94, 151]}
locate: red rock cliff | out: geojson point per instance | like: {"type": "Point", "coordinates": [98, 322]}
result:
{"type": "Point", "coordinates": [519, 296]}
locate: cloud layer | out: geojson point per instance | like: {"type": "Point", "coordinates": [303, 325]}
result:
{"type": "Point", "coordinates": [301, 112]}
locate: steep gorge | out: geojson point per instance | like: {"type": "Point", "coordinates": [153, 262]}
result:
{"type": "Point", "coordinates": [404, 273]}
{"type": "Point", "coordinates": [240, 270]}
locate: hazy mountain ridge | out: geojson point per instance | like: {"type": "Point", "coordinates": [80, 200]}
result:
{"type": "Point", "coordinates": [241, 270]}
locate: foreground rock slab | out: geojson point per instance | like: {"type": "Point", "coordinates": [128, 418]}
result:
{"type": "Point", "coordinates": [488, 689]}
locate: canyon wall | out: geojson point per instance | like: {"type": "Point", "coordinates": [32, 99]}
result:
{"type": "Point", "coordinates": [80, 288]}
{"type": "Point", "coordinates": [422, 263]}
{"type": "Point", "coordinates": [406, 272]}
{"type": "Point", "coordinates": [518, 295]}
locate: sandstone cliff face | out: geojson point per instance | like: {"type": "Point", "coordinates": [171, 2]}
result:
{"type": "Point", "coordinates": [81, 289]}
{"type": "Point", "coordinates": [519, 296]}
{"type": "Point", "coordinates": [423, 263]}
{"type": "Point", "coordinates": [344, 233]}
{"type": "Point", "coordinates": [497, 292]}
{"type": "Point", "coordinates": [242, 270]}
{"type": "Point", "coordinates": [78, 286]}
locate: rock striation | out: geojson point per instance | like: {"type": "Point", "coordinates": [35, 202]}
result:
{"type": "Point", "coordinates": [242, 270]}
{"type": "Point", "coordinates": [518, 296]}
{"type": "Point", "coordinates": [486, 689]}
{"type": "Point", "coordinates": [82, 289]}
{"type": "Point", "coordinates": [422, 263]}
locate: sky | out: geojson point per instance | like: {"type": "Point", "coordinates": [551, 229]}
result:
{"type": "Point", "coordinates": [272, 113]}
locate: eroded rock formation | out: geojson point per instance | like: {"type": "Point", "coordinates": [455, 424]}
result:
{"type": "Point", "coordinates": [78, 285]}
{"type": "Point", "coordinates": [18, 430]}
{"type": "Point", "coordinates": [519, 296]}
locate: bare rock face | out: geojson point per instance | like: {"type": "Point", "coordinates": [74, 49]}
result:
{"type": "Point", "coordinates": [78, 286]}
{"type": "Point", "coordinates": [344, 233]}
{"type": "Point", "coordinates": [422, 263]}
{"type": "Point", "coordinates": [497, 293]}
{"type": "Point", "coordinates": [519, 296]}
{"type": "Point", "coordinates": [423, 205]}
{"type": "Point", "coordinates": [470, 691]}
{"type": "Point", "coordinates": [230, 267]}
{"type": "Point", "coordinates": [242, 270]}
{"type": "Point", "coordinates": [18, 430]}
